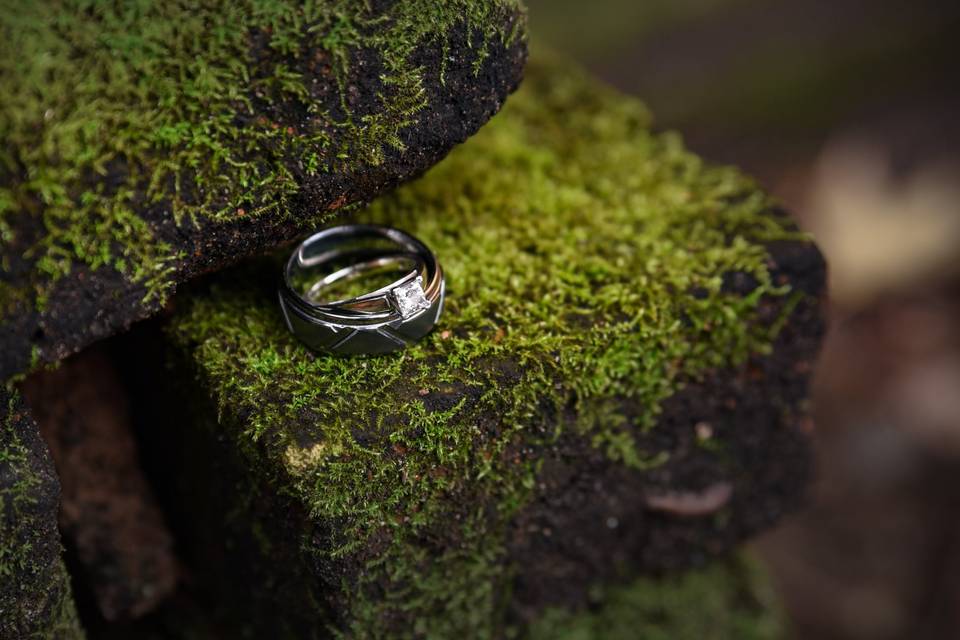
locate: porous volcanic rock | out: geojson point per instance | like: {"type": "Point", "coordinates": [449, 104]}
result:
{"type": "Point", "coordinates": [618, 387]}
{"type": "Point", "coordinates": [144, 145]}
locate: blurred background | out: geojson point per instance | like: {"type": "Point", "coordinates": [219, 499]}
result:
{"type": "Point", "coordinates": [848, 111]}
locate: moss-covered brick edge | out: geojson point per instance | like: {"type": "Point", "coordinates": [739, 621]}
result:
{"type": "Point", "coordinates": [36, 602]}
{"type": "Point", "coordinates": [594, 268]}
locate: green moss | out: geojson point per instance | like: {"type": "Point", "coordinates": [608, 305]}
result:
{"type": "Point", "coordinates": [727, 600]}
{"type": "Point", "coordinates": [573, 241]}
{"type": "Point", "coordinates": [35, 594]}
{"type": "Point", "coordinates": [200, 111]}
{"type": "Point", "coordinates": [20, 493]}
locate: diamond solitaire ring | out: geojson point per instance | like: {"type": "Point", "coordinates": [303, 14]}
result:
{"type": "Point", "coordinates": [361, 289]}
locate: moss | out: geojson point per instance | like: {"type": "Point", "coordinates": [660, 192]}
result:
{"type": "Point", "coordinates": [585, 258]}
{"type": "Point", "coordinates": [15, 553]}
{"type": "Point", "coordinates": [35, 594]}
{"type": "Point", "coordinates": [115, 114]}
{"type": "Point", "coordinates": [726, 600]}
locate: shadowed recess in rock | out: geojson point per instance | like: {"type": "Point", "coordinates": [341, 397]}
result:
{"type": "Point", "coordinates": [109, 516]}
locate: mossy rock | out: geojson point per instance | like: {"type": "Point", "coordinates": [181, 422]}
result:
{"type": "Point", "coordinates": [145, 144]}
{"type": "Point", "coordinates": [35, 596]}
{"type": "Point", "coordinates": [617, 386]}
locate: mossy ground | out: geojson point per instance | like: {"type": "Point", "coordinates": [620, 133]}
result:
{"type": "Point", "coordinates": [585, 259]}
{"type": "Point", "coordinates": [730, 600]}
{"type": "Point", "coordinates": [132, 131]}
{"type": "Point", "coordinates": [35, 596]}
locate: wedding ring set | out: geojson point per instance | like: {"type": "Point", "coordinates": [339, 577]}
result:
{"type": "Point", "coordinates": [384, 319]}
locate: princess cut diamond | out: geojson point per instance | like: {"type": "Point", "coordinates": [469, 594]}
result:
{"type": "Point", "coordinates": [410, 299]}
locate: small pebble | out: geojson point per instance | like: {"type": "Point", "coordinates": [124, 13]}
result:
{"type": "Point", "coordinates": [690, 503]}
{"type": "Point", "coordinates": [704, 430]}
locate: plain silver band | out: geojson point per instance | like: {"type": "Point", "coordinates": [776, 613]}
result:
{"type": "Point", "coordinates": [354, 270]}
{"type": "Point", "coordinates": [376, 322]}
